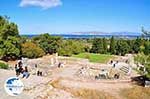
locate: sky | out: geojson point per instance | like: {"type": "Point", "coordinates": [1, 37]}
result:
{"type": "Point", "coordinates": [66, 16]}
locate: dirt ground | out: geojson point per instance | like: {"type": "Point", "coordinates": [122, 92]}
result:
{"type": "Point", "coordinates": [40, 87]}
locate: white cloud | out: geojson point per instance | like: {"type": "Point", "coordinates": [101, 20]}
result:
{"type": "Point", "coordinates": [45, 4]}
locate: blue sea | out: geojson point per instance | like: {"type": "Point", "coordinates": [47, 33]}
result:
{"type": "Point", "coordinates": [67, 36]}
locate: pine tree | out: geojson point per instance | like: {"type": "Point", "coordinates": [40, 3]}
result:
{"type": "Point", "coordinates": [147, 48]}
{"type": "Point", "coordinates": [112, 45]}
{"type": "Point", "coordinates": [122, 47]}
{"type": "Point", "coordinates": [97, 46]}
{"type": "Point", "coordinates": [104, 46]}
{"type": "Point", "coordinates": [9, 39]}
{"type": "Point", "coordinates": [136, 45]}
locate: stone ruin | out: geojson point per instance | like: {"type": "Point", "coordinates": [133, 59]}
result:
{"type": "Point", "coordinates": [102, 71]}
{"type": "Point", "coordinates": [44, 63]}
{"type": "Point", "coordinates": [90, 72]}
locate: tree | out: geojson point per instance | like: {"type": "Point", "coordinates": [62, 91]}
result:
{"type": "Point", "coordinates": [9, 50]}
{"type": "Point", "coordinates": [49, 44]}
{"type": "Point", "coordinates": [31, 50]}
{"type": "Point", "coordinates": [130, 43]}
{"type": "Point", "coordinates": [112, 45]}
{"type": "Point", "coordinates": [2, 51]}
{"type": "Point", "coordinates": [77, 47]}
{"type": "Point", "coordinates": [145, 33]}
{"type": "Point", "coordinates": [7, 28]}
{"type": "Point", "coordinates": [97, 46]}
{"type": "Point", "coordinates": [140, 58]}
{"type": "Point", "coordinates": [69, 47]}
{"type": "Point", "coordinates": [9, 39]}
{"type": "Point", "coordinates": [147, 66]}
{"type": "Point", "coordinates": [122, 47]}
{"type": "Point", "coordinates": [145, 61]}
{"type": "Point", "coordinates": [147, 48]}
{"type": "Point", "coordinates": [65, 48]}
{"type": "Point", "coordinates": [136, 45]}
{"type": "Point", "coordinates": [104, 46]}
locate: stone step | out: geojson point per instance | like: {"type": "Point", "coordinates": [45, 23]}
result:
{"type": "Point", "coordinates": [124, 69]}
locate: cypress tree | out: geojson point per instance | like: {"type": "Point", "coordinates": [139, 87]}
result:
{"type": "Point", "coordinates": [147, 48]}
{"type": "Point", "coordinates": [112, 45]}
{"type": "Point", "coordinates": [104, 46]}
{"type": "Point", "coordinates": [122, 47]}
{"type": "Point", "coordinates": [97, 46]}
{"type": "Point", "coordinates": [136, 45]}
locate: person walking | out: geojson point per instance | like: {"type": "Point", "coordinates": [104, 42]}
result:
{"type": "Point", "coordinates": [26, 72]}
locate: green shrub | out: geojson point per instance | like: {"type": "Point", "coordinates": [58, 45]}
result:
{"type": "Point", "coordinates": [70, 47]}
{"type": "Point", "coordinates": [31, 50]}
{"type": "Point", "coordinates": [3, 65]}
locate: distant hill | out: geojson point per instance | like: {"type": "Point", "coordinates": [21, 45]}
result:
{"type": "Point", "coordinates": [103, 33]}
{"type": "Point", "coordinates": [126, 35]}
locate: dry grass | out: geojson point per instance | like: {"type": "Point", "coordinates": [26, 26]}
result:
{"type": "Point", "coordinates": [90, 94]}
{"type": "Point", "coordinates": [136, 93]}
{"type": "Point", "coordinates": [83, 93]}
{"type": "Point", "coordinates": [56, 84]}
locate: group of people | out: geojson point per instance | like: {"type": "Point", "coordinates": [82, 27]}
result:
{"type": "Point", "coordinates": [38, 72]}
{"type": "Point", "coordinates": [114, 63]}
{"type": "Point", "coordinates": [20, 70]}
{"type": "Point", "coordinates": [60, 65]}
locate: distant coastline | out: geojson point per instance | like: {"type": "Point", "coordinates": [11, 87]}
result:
{"type": "Point", "coordinates": [77, 36]}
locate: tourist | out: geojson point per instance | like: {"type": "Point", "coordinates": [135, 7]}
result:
{"type": "Point", "coordinates": [20, 69]}
{"type": "Point", "coordinates": [59, 65]}
{"type": "Point", "coordinates": [114, 65]}
{"type": "Point", "coordinates": [20, 63]}
{"type": "Point", "coordinates": [38, 72]}
{"type": "Point", "coordinates": [17, 70]}
{"type": "Point", "coordinates": [116, 76]}
{"type": "Point", "coordinates": [25, 73]}
{"type": "Point", "coordinates": [36, 69]}
{"type": "Point", "coordinates": [41, 73]}
{"type": "Point", "coordinates": [126, 61]}
{"type": "Point", "coordinates": [117, 62]}
{"type": "Point", "coordinates": [111, 62]}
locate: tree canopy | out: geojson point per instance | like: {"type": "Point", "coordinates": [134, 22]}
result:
{"type": "Point", "coordinates": [31, 50]}
{"type": "Point", "coordinates": [49, 44]}
{"type": "Point", "coordinates": [112, 45]}
{"type": "Point", "coordinates": [9, 39]}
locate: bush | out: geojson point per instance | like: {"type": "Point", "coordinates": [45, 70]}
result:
{"type": "Point", "coordinates": [122, 47]}
{"type": "Point", "coordinates": [48, 43]}
{"type": "Point", "coordinates": [147, 48]}
{"type": "Point", "coordinates": [3, 65]}
{"type": "Point", "coordinates": [31, 50]}
{"type": "Point", "coordinates": [65, 52]}
{"type": "Point", "coordinates": [69, 47]}
{"type": "Point", "coordinates": [9, 39]}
